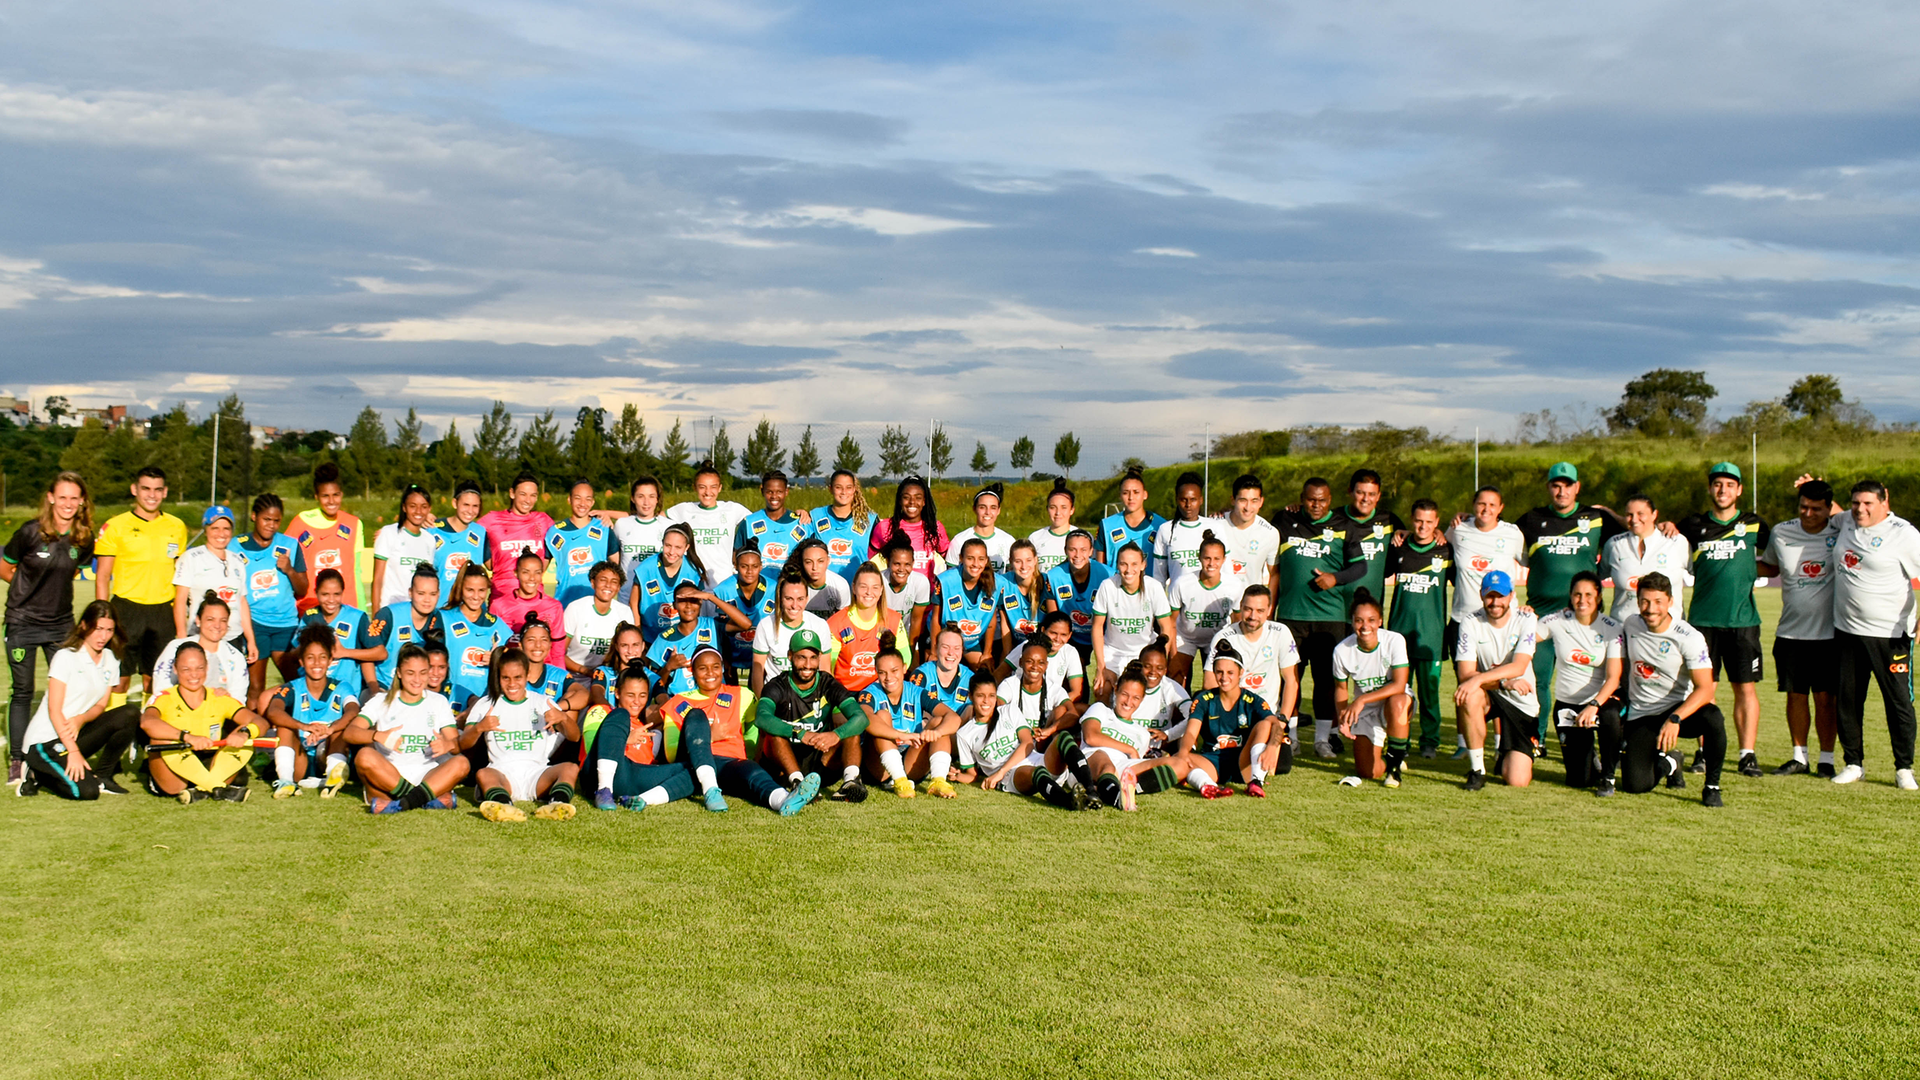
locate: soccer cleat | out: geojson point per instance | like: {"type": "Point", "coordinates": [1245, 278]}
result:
{"type": "Point", "coordinates": [1791, 768]}
{"type": "Point", "coordinates": [1849, 774]}
{"type": "Point", "coordinates": [1391, 778]}
{"type": "Point", "coordinates": [1903, 779]}
{"type": "Point", "coordinates": [1676, 777]}
{"type": "Point", "coordinates": [1476, 780]}
{"type": "Point", "coordinates": [604, 800]}
{"type": "Point", "coordinates": [1059, 795]}
{"type": "Point", "coordinates": [1539, 751]}
{"type": "Point", "coordinates": [231, 793]}
{"type": "Point", "coordinates": [449, 801]}
{"type": "Point", "coordinates": [634, 803]}
{"type": "Point", "coordinates": [1256, 789]}
{"type": "Point", "coordinates": [1825, 771]}
{"type": "Point", "coordinates": [1749, 765]}
{"type": "Point", "coordinates": [193, 795]}
{"type": "Point", "coordinates": [1129, 791]}
{"type": "Point", "coordinates": [1334, 740]}
{"type": "Point", "coordinates": [716, 802]}
{"type": "Point", "coordinates": [853, 791]}
{"type": "Point", "coordinates": [1604, 790]}
{"type": "Point", "coordinates": [285, 789]}
{"type": "Point", "coordinates": [1216, 791]}
{"type": "Point", "coordinates": [336, 779]}
{"type": "Point", "coordinates": [501, 811]}
{"type": "Point", "coordinates": [799, 797]}
{"type": "Point", "coordinates": [941, 788]}
{"type": "Point", "coordinates": [380, 804]}
{"type": "Point", "coordinates": [903, 787]}
{"type": "Point", "coordinates": [554, 811]}
{"type": "Point", "coordinates": [108, 785]}
{"type": "Point", "coordinates": [1711, 797]}
{"type": "Point", "coordinates": [1459, 753]}
{"type": "Point", "coordinates": [1699, 761]}
{"type": "Point", "coordinates": [1324, 749]}
{"type": "Point", "coordinates": [29, 787]}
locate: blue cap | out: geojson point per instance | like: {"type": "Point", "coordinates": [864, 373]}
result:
{"type": "Point", "coordinates": [215, 513]}
{"type": "Point", "coordinates": [1496, 582]}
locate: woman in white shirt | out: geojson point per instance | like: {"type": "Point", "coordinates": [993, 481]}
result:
{"type": "Point", "coordinates": [409, 755]}
{"type": "Point", "coordinates": [73, 722]}
{"type": "Point", "coordinates": [401, 546]}
{"type": "Point", "coordinates": [214, 567]}
{"type": "Point", "coordinates": [1130, 609]}
{"type": "Point", "coordinates": [226, 665]}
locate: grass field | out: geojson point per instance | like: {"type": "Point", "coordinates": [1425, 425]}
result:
{"type": "Point", "coordinates": [1325, 931]}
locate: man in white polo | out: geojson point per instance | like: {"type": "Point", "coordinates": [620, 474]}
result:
{"type": "Point", "coordinates": [1876, 558]}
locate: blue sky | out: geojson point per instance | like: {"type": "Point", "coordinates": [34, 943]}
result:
{"type": "Point", "coordinates": [1129, 219]}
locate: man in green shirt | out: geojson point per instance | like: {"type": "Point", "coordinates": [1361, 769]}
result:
{"type": "Point", "coordinates": [1313, 551]}
{"type": "Point", "coordinates": [1370, 532]}
{"type": "Point", "coordinates": [1727, 543]}
{"type": "Point", "coordinates": [1420, 567]}
{"type": "Point", "coordinates": [1563, 538]}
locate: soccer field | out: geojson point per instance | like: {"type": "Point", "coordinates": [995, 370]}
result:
{"type": "Point", "coordinates": [1324, 931]}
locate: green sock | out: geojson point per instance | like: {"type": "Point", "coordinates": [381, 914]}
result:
{"type": "Point", "coordinates": [1157, 779]}
{"type": "Point", "coordinates": [417, 796]}
{"type": "Point", "coordinates": [401, 787]}
{"type": "Point", "coordinates": [560, 793]}
{"type": "Point", "coordinates": [498, 794]}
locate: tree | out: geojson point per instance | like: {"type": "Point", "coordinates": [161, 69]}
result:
{"type": "Point", "coordinates": [721, 452]}
{"type": "Point", "coordinates": [1814, 397]}
{"type": "Point", "coordinates": [493, 447]}
{"type": "Point", "coordinates": [174, 446]}
{"type": "Point", "coordinates": [365, 462]}
{"type": "Point", "coordinates": [848, 456]}
{"type": "Point", "coordinates": [763, 453]}
{"type": "Point", "coordinates": [1131, 464]}
{"type": "Point", "coordinates": [1066, 453]}
{"type": "Point", "coordinates": [1663, 402]}
{"type": "Point", "coordinates": [1020, 458]}
{"type": "Point", "coordinates": [57, 407]}
{"type": "Point", "coordinates": [939, 451]}
{"type": "Point", "coordinates": [87, 455]}
{"type": "Point", "coordinates": [236, 445]}
{"type": "Point", "coordinates": [631, 444]}
{"type": "Point", "coordinates": [409, 451]}
{"type": "Point", "coordinates": [898, 454]}
{"type": "Point", "coordinates": [673, 458]}
{"type": "Point", "coordinates": [806, 456]}
{"type": "Point", "coordinates": [981, 464]}
{"type": "Point", "coordinates": [540, 452]}
{"type": "Point", "coordinates": [587, 447]}
{"type": "Point", "coordinates": [449, 460]}
{"type": "Point", "coordinates": [1252, 444]}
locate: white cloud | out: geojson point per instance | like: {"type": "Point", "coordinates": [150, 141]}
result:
{"type": "Point", "coordinates": [1174, 252]}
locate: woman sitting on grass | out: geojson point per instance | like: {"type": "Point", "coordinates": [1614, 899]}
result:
{"type": "Point", "coordinates": [1228, 731]}
{"type": "Point", "coordinates": [521, 728]}
{"type": "Point", "coordinates": [200, 738]}
{"type": "Point", "coordinates": [312, 714]}
{"type": "Point", "coordinates": [409, 754]}
{"type": "Point", "coordinates": [995, 745]}
{"type": "Point", "coordinates": [911, 727]}
{"type": "Point", "coordinates": [227, 665]}
{"type": "Point", "coordinates": [73, 722]}
{"type": "Point", "coordinates": [1372, 694]}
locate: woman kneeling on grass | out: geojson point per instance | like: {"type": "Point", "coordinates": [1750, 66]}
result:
{"type": "Point", "coordinates": [312, 714]}
{"type": "Point", "coordinates": [409, 747]}
{"type": "Point", "coordinates": [199, 738]}
{"type": "Point", "coordinates": [73, 722]}
{"type": "Point", "coordinates": [995, 745]}
{"type": "Point", "coordinates": [706, 729]}
{"type": "Point", "coordinates": [1372, 694]}
{"type": "Point", "coordinates": [1228, 728]}
{"type": "Point", "coordinates": [911, 729]}
{"type": "Point", "coordinates": [522, 729]}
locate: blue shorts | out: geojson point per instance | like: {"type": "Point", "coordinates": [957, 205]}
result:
{"type": "Point", "coordinates": [274, 639]}
{"type": "Point", "coordinates": [1226, 764]}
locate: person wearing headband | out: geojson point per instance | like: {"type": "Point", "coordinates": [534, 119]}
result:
{"type": "Point", "coordinates": [986, 515]}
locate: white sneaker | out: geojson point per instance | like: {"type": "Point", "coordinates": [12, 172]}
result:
{"type": "Point", "coordinates": [1849, 774]}
{"type": "Point", "coordinates": [1903, 779]}
{"type": "Point", "coordinates": [1324, 749]}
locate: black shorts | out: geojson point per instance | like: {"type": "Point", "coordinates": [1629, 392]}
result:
{"type": "Point", "coordinates": [1518, 731]}
{"type": "Point", "coordinates": [1736, 647]}
{"type": "Point", "coordinates": [1806, 667]}
{"type": "Point", "coordinates": [147, 629]}
{"type": "Point", "coordinates": [1226, 764]}
{"type": "Point", "coordinates": [809, 759]}
{"type": "Point", "coordinates": [1316, 638]}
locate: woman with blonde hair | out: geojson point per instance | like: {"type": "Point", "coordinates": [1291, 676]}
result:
{"type": "Point", "coordinates": [42, 558]}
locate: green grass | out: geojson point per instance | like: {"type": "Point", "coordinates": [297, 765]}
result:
{"type": "Point", "coordinates": [1326, 931]}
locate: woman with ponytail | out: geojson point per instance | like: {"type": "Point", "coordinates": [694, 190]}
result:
{"type": "Point", "coordinates": [655, 579]}
{"type": "Point", "coordinates": [1134, 524]}
{"type": "Point", "coordinates": [472, 632]}
{"type": "Point", "coordinates": [911, 729]}
{"type": "Point", "coordinates": [1203, 604]}
{"type": "Point", "coordinates": [409, 755]}
{"type": "Point", "coordinates": [1373, 695]}
{"type": "Point", "coordinates": [846, 524]}
{"type": "Point", "coordinates": [1176, 543]}
{"type": "Point", "coordinates": [520, 729]}
{"type": "Point", "coordinates": [1022, 599]}
{"type": "Point", "coordinates": [969, 601]}
{"type": "Point", "coordinates": [907, 593]}
{"type": "Point", "coordinates": [1130, 609]}
{"type": "Point", "coordinates": [226, 664]}
{"type": "Point", "coordinates": [1050, 543]}
{"type": "Point", "coordinates": [1117, 738]}
{"type": "Point", "coordinates": [711, 521]}
{"type": "Point", "coordinates": [985, 527]}
{"type": "Point", "coordinates": [915, 518]}
{"type": "Point", "coordinates": [1231, 734]}
{"type": "Point", "coordinates": [857, 630]}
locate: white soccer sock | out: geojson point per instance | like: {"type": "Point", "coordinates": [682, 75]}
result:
{"type": "Point", "coordinates": [1321, 729]}
{"type": "Point", "coordinates": [1746, 751]}
{"type": "Point", "coordinates": [1800, 754]}
{"type": "Point", "coordinates": [1477, 759]}
{"type": "Point", "coordinates": [1826, 757]}
{"type": "Point", "coordinates": [794, 778]}
{"type": "Point", "coordinates": [283, 763]}
{"type": "Point", "coordinates": [890, 760]}
{"type": "Point", "coordinates": [705, 774]}
{"type": "Point", "coordinates": [1198, 779]}
{"type": "Point", "coordinates": [777, 799]}
{"type": "Point", "coordinates": [851, 772]}
{"type": "Point", "coordinates": [938, 763]}
{"type": "Point", "coordinates": [1253, 763]}
{"type": "Point", "coordinates": [605, 769]}
{"type": "Point", "coordinates": [655, 796]}
{"type": "Point", "coordinates": [1460, 741]}
{"type": "Point", "coordinates": [336, 759]}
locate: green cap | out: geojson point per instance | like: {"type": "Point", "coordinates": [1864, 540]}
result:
{"type": "Point", "coordinates": [1727, 469]}
{"type": "Point", "coordinates": [803, 640]}
{"type": "Point", "coordinates": [1563, 470]}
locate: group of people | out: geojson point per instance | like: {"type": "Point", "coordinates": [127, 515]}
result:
{"type": "Point", "coordinates": [705, 650]}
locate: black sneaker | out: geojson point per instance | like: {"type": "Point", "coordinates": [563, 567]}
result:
{"type": "Point", "coordinates": [108, 785]}
{"type": "Point", "coordinates": [1825, 771]}
{"type": "Point", "coordinates": [16, 772]}
{"type": "Point", "coordinates": [1791, 768]}
{"type": "Point", "coordinates": [1604, 789]}
{"type": "Point", "coordinates": [1749, 765]}
{"type": "Point", "coordinates": [1711, 797]}
{"type": "Point", "coordinates": [1059, 796]}
{"type": "Point", "coordinates": [852, 791]}
{"type": "Point", "coordinates": [29, 786]}
{"type": "Point", "coordinates": [1677, 779]}
{"type": "Point", "coordinates": [192, 795]}
{"type": "Point", "coordinates": [231, 793]}
{"type": "Point", "coordinates": [1334, 740]}
{"type": "Point", "coordinates": [1476, 780]}
{"type": "Point", "coordinates": [1699, 762]}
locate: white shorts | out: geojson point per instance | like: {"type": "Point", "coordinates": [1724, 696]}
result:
{"type": "Point", "coordinates": [1036, 759]}
{"type": "Point", "coordinates": [1117, 758]}
{"type": "Point", "coordinates": [414, 768]}
{"type": "Point", "coordinates": [523, 777]}
{"type": "Point", "coordinates": [1372, 726]}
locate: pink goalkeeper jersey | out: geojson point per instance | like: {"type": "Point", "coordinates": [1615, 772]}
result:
{"type": "Point", "coordinates": [513, 609]}
{"type": "Point", "coordinates": [509, 534]}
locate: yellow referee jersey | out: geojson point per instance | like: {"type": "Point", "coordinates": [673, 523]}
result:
{"type": "Point", "coordinates": [143, 552]}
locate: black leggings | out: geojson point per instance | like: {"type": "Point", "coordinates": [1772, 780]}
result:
{"type": "Point", "coordinates": [103, 738]}
{"type": "Point", "coordinates": [1637, 772]}
{"type": "Point", "coordinates": [23, 655]}
{"type": "Point", "coordinates": [1577, 745]}
{"type": "Point", "coordinates": [1316, 641]}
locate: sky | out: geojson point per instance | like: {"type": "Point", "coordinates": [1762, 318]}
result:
{"type": "Point", "coordinates": [1138, 221]}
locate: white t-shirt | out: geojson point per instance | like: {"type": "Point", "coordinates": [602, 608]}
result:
{"type": "Point", "coordinates": [1657, 664]}
{"type": "Point", "coordinates": [1132, 732]}
{"type": "Point", "coordinates": [1874, 571]}
{"type": "Point", "coordinates": [1064, 665]}
{"type": "Point", "coordinates": [589, 633]}
{"type": "Point", "coordinates": [638, 539]}
{"type": "Point", "coordinates": [1160, 702]}
{"type": "Point", "coordinates": [1250, 551]}
{"type": "Point", "coordinates": [1203, 611]}
{"type": "Point", "coordinates": [1051, 549]}
{"type": "Point", "coordinates": [417, 723]}
{"type": "Point", "coordinates": [199, 569]}
{"type": "Point", "coordinates": [1029, 706]}
{"type": "Point", "coordinates": [1176, 548]}
{"type": "Point", "coordinates": [712, 534]}
{"type": "Point", "coordinates": [1806, 578]}
{"type": "Point", "coordinates": [523, 737]}
{"type": "Point", "coordinates": [916, 592]}
{"type": "Point", "coordinates": [1625, 563]}
{"type": "Point", "coordinates": [1477, 554]}
{"type": "Point", "coordinates": [771, 636]}
{"type": "Point", "coordinates": [1132, 619]}
{"type": "Point", "coordinates": [1260, 662]}
{"type": "Point", "coordinates": [1580, 654]}
{"type": "Point", "coordinates": [1490, 646]}
{"type": "Point", "coordinates": [87, 681]}
{"type": "Point", "coordinates": [401, 551]}
{"type": "Point", "coordinates": [999, 547]}
{"type": "Point", "coordinates": [835, 594]}
{"type": "Point", "coordinates": [989, 745]}
{"type": "Point", "coordinates": [1369, 670]}
{"type": "Point", "coordinates": [226, 668]}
